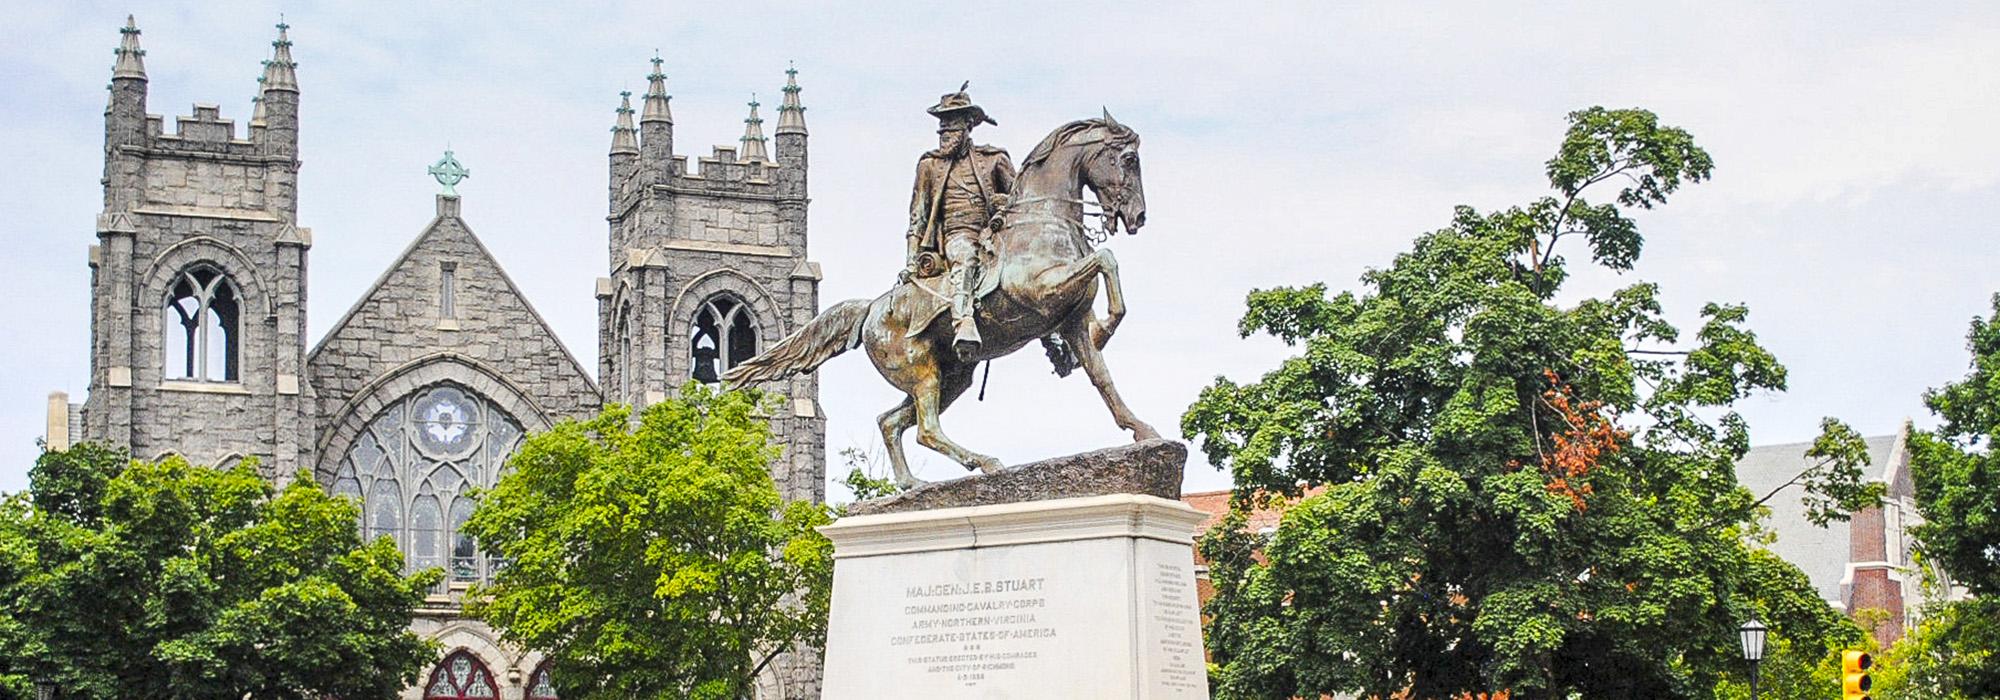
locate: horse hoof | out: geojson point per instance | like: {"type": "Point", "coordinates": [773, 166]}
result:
{"type": "Point", "coordinates": [985, 466]}
{"type": "Point", "coordinates": [1144, 433]}
{"type": "Point", "coordinates": [910, 483]}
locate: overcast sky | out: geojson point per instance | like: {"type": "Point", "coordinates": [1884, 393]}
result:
{"type": "Point", "coordinates": [1853, 206]}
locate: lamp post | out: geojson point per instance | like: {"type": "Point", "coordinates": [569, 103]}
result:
{"type": "Point", "coordinates": [1753, 649]}
{"type": "Point", "coordinates": [45, 688]}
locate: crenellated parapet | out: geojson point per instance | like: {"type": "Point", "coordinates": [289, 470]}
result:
{"type": "Point", "coordinates": [146, 162]}
{"type": "Point", "coordinates": [749, 169]}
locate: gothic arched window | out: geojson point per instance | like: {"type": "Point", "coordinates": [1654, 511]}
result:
{"type": "Point", "coordinates": [201, 326]}
{"type": "Point", "coordinates": [624, 353]}
{"type": "Point", "coordinates": [414, 466]}
{"type": "Point", "coordinates": [461, 676]}
{"type": "Point", "coordinates": [721, 337]}
{"type": "Point", "coordinates": [539, 685]}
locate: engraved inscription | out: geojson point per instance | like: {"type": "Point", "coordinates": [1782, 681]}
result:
{"type": "Point", "coordinates": [974, 631]}
{"type": "Point", "coordinates": [1182, 667]}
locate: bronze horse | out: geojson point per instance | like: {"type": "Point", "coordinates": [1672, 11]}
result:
{"type": "Point", "coordinates": [1047, 274]}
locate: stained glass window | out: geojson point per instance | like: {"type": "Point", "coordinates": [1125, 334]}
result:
{"type": "Point", "coordinates": [426, 526]}
{"type": "Point", "coordinates": [539, 685]}
{"type": "Point", "coordinates": [464, 552]}
{"type": "Point", "coordinates": [461, 676]}
{"type": "Point", "coordinates": [414, 466]}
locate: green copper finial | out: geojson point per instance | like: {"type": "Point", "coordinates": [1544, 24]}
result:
{"type": "Point", "coordinates": [449, 173]}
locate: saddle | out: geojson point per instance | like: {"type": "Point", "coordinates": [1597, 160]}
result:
{"type": "Point", "coordinates": [935, 287]}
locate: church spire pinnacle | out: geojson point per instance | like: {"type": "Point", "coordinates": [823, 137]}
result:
{"type": "Point", "coordinates": [657, 107]}
{"type": "Point", "coordinates": [753, 136]}
{"type": "Point", "coordinates": [279, 73]}
{"type": "Point", "coordinates": [624, 137]}
{"type": "Point", "coordinates": [791, 114]}
{"type": "Point", "coordinates": [131, 58]}
{"type": "Point", "coordinates": [257, 103]}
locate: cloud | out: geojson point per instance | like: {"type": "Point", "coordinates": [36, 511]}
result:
{"type": "Point", "coordinates": [1285, 144]}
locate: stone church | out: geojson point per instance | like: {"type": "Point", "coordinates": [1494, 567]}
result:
{"type": "Point", "coordinates": [421, 390]}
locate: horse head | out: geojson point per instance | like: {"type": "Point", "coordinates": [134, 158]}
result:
{"type": "Point", "coordinates": [1112, 173]}
{"type": "Point", "coordinates": [1100, 154]}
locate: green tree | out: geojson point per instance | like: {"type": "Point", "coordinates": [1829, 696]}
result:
{"type": "Point", "coordinates": [861, 476]}
{"type": "Point", "coordinates": [125, 579]}
{"type": "Point", "coordinates": [1949, 656]}
{"type": "Point", "coordinates": [1957, 480]}
{"type": "Point", "coordinates": [1488, 520]}
{"type": "Point", "coordinates": [656, 561]}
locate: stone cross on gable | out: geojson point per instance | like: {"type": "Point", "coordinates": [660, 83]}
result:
{"type": "Point", "coordinates": [449, 173]}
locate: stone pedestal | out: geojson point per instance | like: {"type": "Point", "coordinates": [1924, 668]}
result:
{"type": "Point", "coordinates": [1090, 597]}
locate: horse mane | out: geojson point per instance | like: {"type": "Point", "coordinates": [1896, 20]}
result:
{"type": "Point", "coordinates": [1118, 135]}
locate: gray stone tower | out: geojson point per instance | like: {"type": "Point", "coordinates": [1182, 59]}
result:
{"type": "Point", "coordinates": [198, 278]}
{"type": "Point", "coordinates": [708, 267]}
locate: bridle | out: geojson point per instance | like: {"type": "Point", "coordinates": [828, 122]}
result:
{"type": "Point", "coordinates": [1111, 199]}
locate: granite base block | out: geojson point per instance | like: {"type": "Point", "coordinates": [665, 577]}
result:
{"type": "Point", "coordinates": [1089, 598]}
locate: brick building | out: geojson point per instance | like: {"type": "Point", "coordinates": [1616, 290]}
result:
{"type": "Point", "coordinates": [1862, 564]}
{"type": "Point", "coordinates": [423, 388]}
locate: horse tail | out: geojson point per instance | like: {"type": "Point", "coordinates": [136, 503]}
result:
{"type": "Point", "coordinates": [807, 348]}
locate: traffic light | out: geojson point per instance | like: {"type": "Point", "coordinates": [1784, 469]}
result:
{"type": "Point", "coordinates": [1854, 680]}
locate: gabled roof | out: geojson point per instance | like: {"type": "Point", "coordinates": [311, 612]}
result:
{"type": "Point", "coordinates": [445, 225]}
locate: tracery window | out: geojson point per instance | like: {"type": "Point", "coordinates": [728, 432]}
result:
{"type": "Point", "coordinates": [539, 686]}
{"type": "Point", "coordinates": [461, 676]}
{"type": "Point", "coordinates": [201, 326]}
{"type": "Point", "coordinates": [413, 468]}
{"type": "Point", "coordinates": [723, 335]}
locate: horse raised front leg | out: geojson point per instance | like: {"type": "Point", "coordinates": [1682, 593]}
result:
{"type": "Point", "coordinates": [1062, 279]}
{"type": "Point", "coordinates": [1114, 300]}
{"type": "Point", "coordinates": [1092, 360]}
{"type": "Point", "coordinates": [931, 400]}
{"type": "Point", "coordinates": [893, 423]}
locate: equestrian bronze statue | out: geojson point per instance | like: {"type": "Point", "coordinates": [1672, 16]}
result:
{"type": "Point", "coordinates": [1043, 280]}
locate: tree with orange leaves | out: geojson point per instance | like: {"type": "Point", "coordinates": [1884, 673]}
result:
{"type": "Point", "coordinates": [1520, 494]}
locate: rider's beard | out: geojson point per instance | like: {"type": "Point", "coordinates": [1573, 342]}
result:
{"type": "Point", "coordinates": [957, 147]}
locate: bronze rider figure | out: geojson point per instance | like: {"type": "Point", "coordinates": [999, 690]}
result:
{"type": "Point", "coordinates": [956, 205]}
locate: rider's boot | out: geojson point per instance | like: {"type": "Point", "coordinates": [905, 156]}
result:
{"type": "Point", "coordinates": [1059, 353]}
{"type": "Point", "coordinates": [964, 323]}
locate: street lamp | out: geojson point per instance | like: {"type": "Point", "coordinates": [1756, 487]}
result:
{"type": "Point", "coordinates": [1753, 649]}
{"type": "Point", "coordinates": [45, 689]}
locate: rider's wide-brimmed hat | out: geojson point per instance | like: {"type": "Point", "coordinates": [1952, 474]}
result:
{"type": "Point", "coordinates": [958, 105]}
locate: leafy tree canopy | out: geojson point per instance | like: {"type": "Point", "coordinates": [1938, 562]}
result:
{"type": "Point", "coordinates": [1957, 478]}
{"type": "Point", "coordinates": [127, 579]}
{"type": "Point", "coordinates": [655, 560]}
{"type": "Point", "coordinates": [1956, 473]}
{"type": "Point", "coordinates": [1519, 494]}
